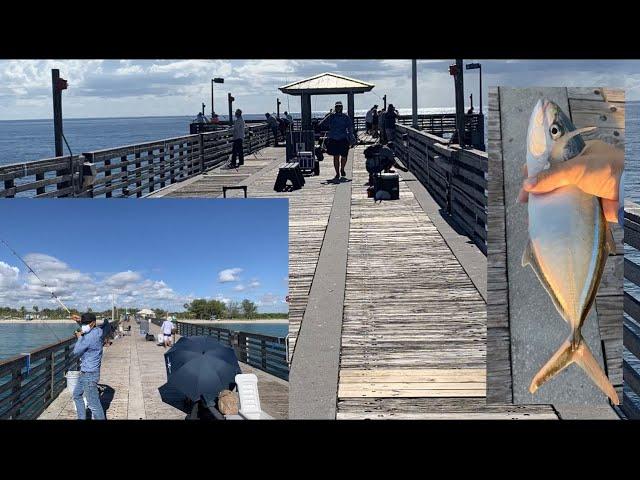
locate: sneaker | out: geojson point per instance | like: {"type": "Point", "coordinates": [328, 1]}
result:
{"type": "Point", "coordinates": [336, 178]}
{"type": "Point", "coordinates": [342, 172]}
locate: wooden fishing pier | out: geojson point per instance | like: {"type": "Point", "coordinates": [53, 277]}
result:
{"type": "Point", "coordinates": [388, 300]}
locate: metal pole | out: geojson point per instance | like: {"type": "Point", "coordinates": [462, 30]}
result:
{"type": "Point", "coordinates": [414, 92]}
{"type": "Point", "coordinates": [57, 111]}
{"type": "Point", "coordinates": [278, 107]}
{"type": "Point", "coordinates": [384, 100]}
{"type": "Point", "coordinates": [480, 70]}
{"type": "Point", "coordinates": [212, 109]}
{"type": "Point", "coordinates": [230, 108]}
{"type": "Point", "coordinates": [459, 87]}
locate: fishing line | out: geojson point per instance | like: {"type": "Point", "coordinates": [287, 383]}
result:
{"type": "Point", "coordinates": [41, 281]}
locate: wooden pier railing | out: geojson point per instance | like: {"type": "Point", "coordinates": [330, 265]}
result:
{"type": "Point", "coordinates": [631, 333]}
{"type": "Point", "coordinates": [439, 124]}
{"type": "Point", "coordinates": [260, 351]}
{"type": "Point", "coordinates": [132, 170]}
{"type": "Point", "coordinates": [455, 178]}
{"type": "Point", "coordinates": [29, 383]}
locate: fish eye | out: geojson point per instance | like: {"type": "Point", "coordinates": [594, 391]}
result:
{"type": "Point", "coordinates": [555, 131]}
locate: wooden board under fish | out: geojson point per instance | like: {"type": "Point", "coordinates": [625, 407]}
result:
{"type": "Point", "coordinates": [524, 328]}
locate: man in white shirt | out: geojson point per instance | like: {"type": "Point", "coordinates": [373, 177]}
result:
{"type": "Point", "coordinates": [167, 330]}
{"type": "Point", "coordinates": [238, 138]}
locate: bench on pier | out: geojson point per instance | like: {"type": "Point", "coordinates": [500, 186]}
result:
{"type": "Point", "coordinates": [234, 187]}
{"type": "Point", "coordinates": [289, 172]}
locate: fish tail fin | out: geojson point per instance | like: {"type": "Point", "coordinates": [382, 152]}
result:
{"type": "Point", "coordinates": [558, 362]}
{"type": "Point", "coordinates": [585, 360]}
{"type": "Point", "coordinates": [582, 356]}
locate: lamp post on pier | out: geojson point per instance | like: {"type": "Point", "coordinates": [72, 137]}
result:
{"type": "Point", "coordinates": [278, 102]}
{"type": "Point", "coordinates": [214, 80]}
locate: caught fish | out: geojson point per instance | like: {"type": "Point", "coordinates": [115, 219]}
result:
{"type": "Point", "coordinates": [569, 242]}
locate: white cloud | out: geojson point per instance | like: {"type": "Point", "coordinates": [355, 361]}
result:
{"type": "Point", "coordinates": [239, 288]}
{"type": "Point", "coordinates": [254, 284]}
{"type": "Point", "coordinates": [8, 275]}
{"type": "Point", "coordinates": [82, 290]}
{"type": "Point", "coordinates": [229, 275]}
{"type": "Point", "coordinates": [221, 298]}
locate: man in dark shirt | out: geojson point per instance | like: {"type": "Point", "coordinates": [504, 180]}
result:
{"type": "Point", "coordinates": [390, 122]}
{"type": "Point", "coordinates": [339, 138]}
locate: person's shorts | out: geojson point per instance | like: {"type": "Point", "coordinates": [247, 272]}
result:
{"type": "Point", "coordinates": [167, 335]}
{"type": "Point", "coordinates": [337, 147]}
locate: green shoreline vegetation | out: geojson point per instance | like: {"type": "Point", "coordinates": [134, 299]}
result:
{"type": "Point", "coordinates": [198, 309]}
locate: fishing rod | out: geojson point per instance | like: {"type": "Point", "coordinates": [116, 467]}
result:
{"type": "Point", "coordinates": [53, 294]}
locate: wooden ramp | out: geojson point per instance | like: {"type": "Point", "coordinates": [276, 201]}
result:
{"type": "Point", "coordinates": [134, 375]}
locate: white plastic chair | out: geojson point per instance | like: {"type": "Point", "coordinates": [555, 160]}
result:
{"type": "Point", "coordinates": [249, 398]}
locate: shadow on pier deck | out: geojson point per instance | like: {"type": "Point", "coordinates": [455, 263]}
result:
{"type": "Point", "coordinates": [387, 315]}
{"type": "Point", "coordinates": [133, 372]}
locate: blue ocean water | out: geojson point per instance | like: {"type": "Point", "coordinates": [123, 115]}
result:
{"type": "Point", "coordinates": [16, 338]}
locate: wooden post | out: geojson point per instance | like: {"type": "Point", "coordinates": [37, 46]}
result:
{"type": "Point", "coordinates": [351, 110]}
{"type": "Point", "coordinates": [278, 102]}
{"type": "Point", "coordinates": [201, 142]}
{"type": "Point", "coordinates": [107, 173]}
{"type": "Point", "coordinates": [57, 111]}
{"type": "Point", "coordinates": [53, 370]}
{"type": "Point", "coordinates": [306, 119]}
{"type": "Point", "coordinates": [152, 171]}
{"type": "Point", "coordinates": [230, 99]}
{"type": "Point", "coordinates": [414, 93]}
{"type": "Point", "coordinates": [162, 165]}
{"type": "Point", "coordinates": [124, 169]}
{"type": "Point", "coordinates": [459, 86]}
{"type": "Point", "coordinates": [384, 102]}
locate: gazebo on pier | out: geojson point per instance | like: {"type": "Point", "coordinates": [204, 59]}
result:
{"type": "Point", "coordinates": [324, 84]}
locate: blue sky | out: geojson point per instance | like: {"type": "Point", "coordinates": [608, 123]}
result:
{"type": "Point", "coordinates": [154, 253]}
{"type": "Point", "coordinates": [116, 88]}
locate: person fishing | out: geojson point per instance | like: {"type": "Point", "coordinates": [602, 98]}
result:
{"type": "Point", "coordinates": [390, 122]}
{"type": "Point", "coordinates": [339, 138]}
{"type": "Point", "coordinates": [89, 348]}
{"type": "Point", "coordinates": [381, 158]}
{"type": "Point", "coordinates": [238, 139]}
{"type": "Point", "coordinates": [273, 125]}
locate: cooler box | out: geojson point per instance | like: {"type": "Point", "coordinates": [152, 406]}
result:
{"type": "Point", "coordinates": [306, 160]}
{"type": "Point", "coordinates": [389, 182]}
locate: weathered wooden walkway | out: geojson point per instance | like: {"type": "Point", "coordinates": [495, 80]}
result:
{"type": "Point", "coordinates": [134, 375]}
{"type": "Point", "coordinates": [412, 342]}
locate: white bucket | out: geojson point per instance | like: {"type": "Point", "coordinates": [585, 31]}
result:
{"type": "Point", "coordinates": [72, 377]}
{"type": "Point", "coordinates": [72, 380]}
{"type": "Point", "coordinates": [160, 339]}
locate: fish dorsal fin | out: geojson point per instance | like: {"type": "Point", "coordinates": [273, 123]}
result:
{"type": "Point", "coordinates": [610, 241]}
{"type": "Point", "coordinates": [527, 255]}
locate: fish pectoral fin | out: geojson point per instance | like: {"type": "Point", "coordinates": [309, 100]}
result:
{"type": "Point", "coordinates": [527, 255]}
{"type": "Point", "coordinates": [582, 356]}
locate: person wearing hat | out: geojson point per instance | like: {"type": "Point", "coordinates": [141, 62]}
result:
{"type": "Point", "coordinates": [238, 137]}
{"type": "Point", "coordinates": [89, 348]}
{"type": "Point", "coordinates": [339, 138]}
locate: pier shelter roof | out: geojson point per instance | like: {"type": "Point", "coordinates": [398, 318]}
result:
{"type": "Point", "coordinates": [326, 84]}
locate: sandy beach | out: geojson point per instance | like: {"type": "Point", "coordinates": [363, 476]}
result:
{"type": "Point", "coordinates": [21, 320]}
